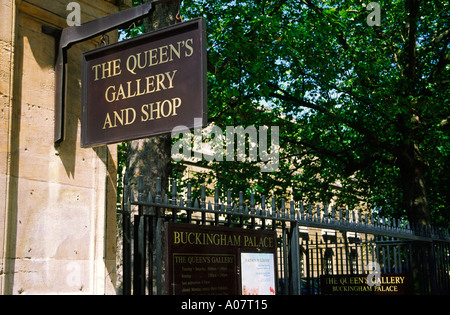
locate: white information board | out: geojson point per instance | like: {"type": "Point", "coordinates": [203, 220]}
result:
{"type": "Point", "coordinates": [258, 274]}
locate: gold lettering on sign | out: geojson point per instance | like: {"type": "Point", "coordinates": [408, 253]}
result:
{"type": "Point", "coordinates": [107, 69]}
{"type": "Point", "coordinates": [148, 85]}
{"type": "Point", "coordinates": [219, 239]}
{"type": "Point", "coordinates": [118, 90]}
{"type": "Point", "coordinates": [125, 117]}
{"type": "Point", "coordinates": [160, 55]}
{"type": "Point", "coordinates": [160, 110]}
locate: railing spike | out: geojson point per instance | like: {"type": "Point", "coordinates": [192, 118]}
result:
{"type": "Point", "coordinates": [252, 203]}
{"type": "Point", "coordinates": [229, 200]}
{"type": "Point", "coordinates": [181, 202]}
{"type": "Point", "coordinates": [263, 205]}
{"type": "Point", "coordinates": [188, 195]}
{"type": "Point", "coordinates": [140, 183]}
{"type": "Point", "coordinates": [241, 202]}
{"type": "Point", "coordinates": [203, 197]}
{"type": "Point", "coordinates": [216, 199]}
{"type": "Point", "coordinates": [273, 212]}
{"type": "Point", "coordinates": [302, 210]}
{"type": "Point", "coordinates": [150, 197]}
{"type": "Point", "coordinates": [158, 190]}
{"type": "Point", "coordinates": [292, 209]}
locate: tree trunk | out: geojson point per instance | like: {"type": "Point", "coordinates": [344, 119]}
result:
{"type": "Point", "coordinates": [412, 176]}
{"type": "Point", "coordinates": [415, 202]}
{"type": "Point", "coordinates": [151, 157]}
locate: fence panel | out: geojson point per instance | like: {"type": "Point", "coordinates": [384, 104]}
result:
{"type": "Point", "coordinates": [311, 244]}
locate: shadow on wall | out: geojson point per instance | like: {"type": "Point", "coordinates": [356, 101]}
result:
{"type": "Point", "coordinates": [41, 47]}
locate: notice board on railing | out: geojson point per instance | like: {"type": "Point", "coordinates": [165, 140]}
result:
{"type": "Point", "coordinates": [220, 260]}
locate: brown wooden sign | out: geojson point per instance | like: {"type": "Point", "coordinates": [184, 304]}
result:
{"type": "Point", "coordinates": [145, 86]}
{"type": "Point", "coordinates": [207, 260]}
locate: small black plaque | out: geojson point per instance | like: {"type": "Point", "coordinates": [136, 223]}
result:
{"type": "Point", "coordinates": [386, 284]}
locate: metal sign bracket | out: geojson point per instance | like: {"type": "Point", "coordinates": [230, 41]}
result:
{"type": "Point", "coordinates": [71, 35]}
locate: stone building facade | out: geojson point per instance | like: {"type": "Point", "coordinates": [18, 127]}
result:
{"type": "Point", "coordinates": [57, 204]}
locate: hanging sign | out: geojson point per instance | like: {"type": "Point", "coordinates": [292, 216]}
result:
{"type": "Point", "coordinates": [258, 273]}
{"type": "Point", "coordinates": [145, 86]}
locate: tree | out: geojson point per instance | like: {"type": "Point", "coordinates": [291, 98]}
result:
{"type": "Point", "coordinates": [363, 106]}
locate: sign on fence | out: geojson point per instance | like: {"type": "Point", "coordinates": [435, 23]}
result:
{"type": "Point", "coordinates": [219, 260]}
{"type": "Point", "coordinates": [386, 284]}
{"type": "Point", "coordinates": [145, 86]}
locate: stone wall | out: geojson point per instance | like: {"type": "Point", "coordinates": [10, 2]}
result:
{"type": "Point", "coordinates": [57, 205]}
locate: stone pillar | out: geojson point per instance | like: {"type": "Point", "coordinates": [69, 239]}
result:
{"type": "Point", "coordinates": [57, 205]}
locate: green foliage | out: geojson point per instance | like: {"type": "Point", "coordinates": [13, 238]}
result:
{"type": "Point", "coordinates": [355, 104]}
{"type": "Point", "coordinates": [348, 97]}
